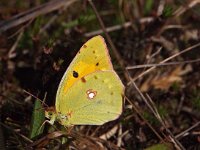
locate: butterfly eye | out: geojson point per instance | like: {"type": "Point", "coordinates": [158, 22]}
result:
{"type": "Point", "coordinates": [50, 113]}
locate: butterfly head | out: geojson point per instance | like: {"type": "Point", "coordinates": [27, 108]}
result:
{"type": "Point", "coordinates": [50, 114]}
{"type": "Point", "coordinates": [53, 116]}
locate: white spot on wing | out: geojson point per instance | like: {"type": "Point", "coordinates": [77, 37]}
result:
{"type": "Point", "coordinates": [91, 94]}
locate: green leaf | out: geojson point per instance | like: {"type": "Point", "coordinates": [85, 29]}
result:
{"type": "Point", "coordinates": [166, 146]}
{"type": "Point", "coordinates": [168, 11]}
{"type": "Point", "coordinates": [148, 6]}
{"type": "Point", "coordinates": [38, 118]}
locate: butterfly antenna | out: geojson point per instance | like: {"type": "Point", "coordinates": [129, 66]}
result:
{"type": "Point", "coordinates": [42, 101]}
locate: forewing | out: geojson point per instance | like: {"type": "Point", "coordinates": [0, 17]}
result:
{"type": "Point", "coordinates": [93, 56]}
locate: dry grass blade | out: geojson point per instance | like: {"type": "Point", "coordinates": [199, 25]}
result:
{"type": "Point", "coordinates": [140, 114]}
{"type": "Point", "coordinates": [164, 61]}
{"type": "Point", "coordinates": [110, 133]}
{"type": "Point", "coordinates": [155, 112]}
{"type": "Point", "coordinates": [42, 142]}
{"type": "Point", "coordinates": [109, 29]}
{"type": "Point", "coordinates": [40, 38]}
{"type": "Point", "coordinates": [180, 135]}
{"type": "Point", "coordinates": [184, 8]}
{"type": "Point", "coordinates": [91, 143]}
{"type": "Point", "coordinates": [42, 101]}
{"type": "Point", "coordinates": [12, 53]}
{"type": "Point", "coordinates": [33, 13]}
{"type": "Point", "coordinates": [164, 64]}
{"type": "Point", "coordinates": [15, 132]}
{"type": "Point", "coordinates": [117, 55]}
{"type": "Point", "coordinates": [117, 27]}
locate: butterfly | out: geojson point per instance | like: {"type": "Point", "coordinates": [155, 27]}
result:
{"type": "Point", "coordinates": [90, 92]}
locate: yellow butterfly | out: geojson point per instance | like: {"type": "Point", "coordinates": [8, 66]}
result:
{"type": "Point", "coordinates": [90, 92]}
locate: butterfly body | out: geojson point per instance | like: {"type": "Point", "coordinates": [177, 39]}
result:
{"type": "Point", "coordinates": [90, 92]}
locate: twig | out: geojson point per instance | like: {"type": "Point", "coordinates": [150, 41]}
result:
{"type": "Point", "coordinates": [141, 116]}
{"type": "Point", "coordinates": [13, 131]}
{"type": "Point", "coordinates": [48, 24]}
{"type": "Point", "coordinates": [43, 103]}
{"type": "Point", "coordinates": [117, 55]}
{"type": "Point", "coordinates": [180, 104]}
{"type": "Point", "coordinates": [119, 139]}
{"type": "Point", "coordinates": [165, 60]}
{"type": "Point", "coordinates": [138, 112]}
{"type": "Point", "coordinates": [187, 130]}
{"type": "Point", "coordinates": [11, 53]}
{"type": "Point", "coordinates": [33, 13]}
{"type": "Point", "coordinates": [164, 64]}
{"type": "Point", "coordinates": [183, 9]}
{"type": "Point", "coordinates": [161, 7]}
{"type": "Point", "coordinates": [154, 110]}
{"type": "Point", "coordinates": [109, 29]}
{"type": "Point", "coordinates": [21, 29]}
{"type": "Point", "coordinates": [153, 55]}
{"type": "Point", "coordinates": [118, 27]}
{"type": "Point", "coordinates": [109, 133]}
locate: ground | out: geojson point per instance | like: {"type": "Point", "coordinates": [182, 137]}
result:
{"type": "Point", "coordinates": [154, 48]}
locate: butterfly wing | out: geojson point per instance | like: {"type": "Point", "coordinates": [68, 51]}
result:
{"type": "Point", "coordinates": [93, 101]}
{"type": "Point", "coordinates": [93, 56]}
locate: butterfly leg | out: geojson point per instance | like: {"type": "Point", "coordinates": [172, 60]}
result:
{"type": "Point", "coordinates": [47, 121]}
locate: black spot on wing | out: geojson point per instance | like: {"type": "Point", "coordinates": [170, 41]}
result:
{"type": "Point", "coordinates": [97, 64]}
{"type": "Point", "coordinates": [75, 74]}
